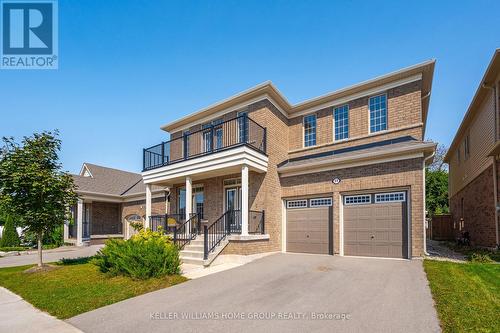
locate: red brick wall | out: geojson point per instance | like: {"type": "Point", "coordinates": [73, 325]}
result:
{"type": "Point", "coordinates": [106, 218]}
{"type": "Point", "coordinates": [478, 210]}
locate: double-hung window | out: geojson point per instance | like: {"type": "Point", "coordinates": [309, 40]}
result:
{"type": "Point", "coordinates": [341, 122]}
{"type": "Point", "coordinates": [378, 113]}
{"type": "Point", "coordinates": [310, 130]}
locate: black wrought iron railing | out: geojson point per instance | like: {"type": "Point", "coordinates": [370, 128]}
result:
{"type": "Point", "coordinates": [212, 138]}
{"type": "Point", "coordinates": [256, 222]}
{"type": "Point", "coordinates": [230, 223]}
{"type": "Point", "coordinates": [166, 222]}
{"type": "Point", "coordinates": [215, 233]}
{"type": "Point", "coordinates": [187, 231]}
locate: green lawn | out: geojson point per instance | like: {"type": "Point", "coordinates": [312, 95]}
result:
{"type": "Point", "coordinates": [467, 295]}
{"type": "Point", "coordinates": [73, 289]}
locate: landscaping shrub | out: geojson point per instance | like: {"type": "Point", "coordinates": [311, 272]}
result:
{"type": "Point", "coordinates": [12, 248]}
{"type": "Point", "coordinates": [480, 257]}
{"type": "Point", "coordinates": [10, 238]}
{"type": "Point", "coordinates": [147, 254]}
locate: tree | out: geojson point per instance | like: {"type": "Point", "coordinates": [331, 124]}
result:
{"type": "Point", "coordinates": [438, 163]}
{"type": "Point", "coordinates": [32, 185]}
{"type": "Point", "coordinates": [10, 238]}
{"type": "Point", "coordinates": [436, 191]}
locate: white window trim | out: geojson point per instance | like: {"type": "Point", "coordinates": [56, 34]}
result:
{"type": "Point", "coordinates": [303, 201]}
{"type": "Point", "coordinates": [357, 203]}
{"type": "Point", "coordinates": [304, 130]}
{"type": "Point", "coordinates": [330, 202]}
{"type": "Point", "coordinates": [348, 127]}
{"type": "Point", "coordinates": [389, 193]}
{"type": "Point", "coordinates": [386, 115]}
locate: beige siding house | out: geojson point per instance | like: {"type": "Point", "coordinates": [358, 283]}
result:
{"type": "Point", "coordinates": [473, 163]}
{"type": "Point", "coordinates": [342, 173]}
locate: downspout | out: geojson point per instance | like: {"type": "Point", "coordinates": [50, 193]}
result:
{"type": "Point", "coordinates": [421, 101]}
{"type": "Point", "coordinates": [423, 191]}
{"type": "Point", "coordinates": [495, 178]}
{"type": "Point", "coordinates": [495, 195]}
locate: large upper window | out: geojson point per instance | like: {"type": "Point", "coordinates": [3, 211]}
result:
{"type": "Point", "coordinates": [341, 119]}
{"type": "Point", "coordinates": [378, 113]}
{"type": "Point", "coordinates": [214, 129]}
{"type": "Point", "coordinates": [310, 130]}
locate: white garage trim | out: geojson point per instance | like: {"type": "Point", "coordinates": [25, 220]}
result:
{"type": "Point", "coordinates": [283, 226]}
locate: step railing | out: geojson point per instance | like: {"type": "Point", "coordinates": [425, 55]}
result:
{"type": "Point", "coordinates": [215, 233]}
{"type": "Point", "coordinates": [187, 231]}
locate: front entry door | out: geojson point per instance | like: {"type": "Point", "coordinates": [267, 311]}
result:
{"type": "Point", "coordinates": [233, 204]}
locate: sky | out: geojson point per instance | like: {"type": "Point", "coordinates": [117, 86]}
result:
{"type": "Point", "coordinates": [128, 67]}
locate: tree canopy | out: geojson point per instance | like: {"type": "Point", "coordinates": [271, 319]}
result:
{"type": "Point", "coordinates": [32, 186]}
{"type": "Point", "coordinates": [436, 183]}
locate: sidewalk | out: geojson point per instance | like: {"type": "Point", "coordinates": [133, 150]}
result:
{"type": "Point", "coordinates": [50, 255]}
{"type": "Point", "coordinates": [18, 316]}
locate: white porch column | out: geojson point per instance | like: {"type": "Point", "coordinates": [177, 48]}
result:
{"type": "Point", "coordinates": [244, 200]}
{"type": "Point", "coordinates": [66, 231]}
{"type": "Point", "coordinates": [79, 223]}
{"type": "Point", "coordinates": [189, 201]}
{"type": "Point", "coordinates": [148, 205]}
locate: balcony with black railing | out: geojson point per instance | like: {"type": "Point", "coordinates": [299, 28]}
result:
{"type": "Point", "coordinates": [211, 139]}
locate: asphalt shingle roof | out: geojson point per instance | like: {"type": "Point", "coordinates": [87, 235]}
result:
{"type": "Point", "coordinates": [110, 181]}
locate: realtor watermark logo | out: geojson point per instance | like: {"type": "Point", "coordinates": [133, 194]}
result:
{"type": "Point", "coordinates": [29, 37]}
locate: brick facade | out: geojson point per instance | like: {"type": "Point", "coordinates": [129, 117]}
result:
{"type": "Point", "coordinates": [106, 218]}
{"type": "Point", "coordinates": [475, 203]}
{"type": "Point", "coordinates": [403, 109]}
{"type": "Point", "coordinates": [284, 140]}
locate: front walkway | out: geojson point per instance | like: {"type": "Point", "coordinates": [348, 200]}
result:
{"type": "Point", "coordinates": [50, 255]}
{"type": "Point", "coordinates": [282, 293]}
{"type": "Point", "coordinates": [18, 316]}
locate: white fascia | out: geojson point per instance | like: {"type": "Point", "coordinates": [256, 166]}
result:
{"type": "Point", "coordinates": [216, 161]}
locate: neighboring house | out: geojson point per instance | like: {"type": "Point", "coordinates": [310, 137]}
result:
{"type": "Point", "coordinates": [341, 173]}
{"type": "Point", "coordinates": [473, 163]}
{"type": "Point", "coordinates": [109, 200]}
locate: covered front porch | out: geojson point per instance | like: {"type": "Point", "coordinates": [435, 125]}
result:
{"type": "Point", "coordinates": [93, 221]}
{"type": "Point", "coordinates": [213, 200]}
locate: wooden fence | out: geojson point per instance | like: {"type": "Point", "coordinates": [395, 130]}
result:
{"type": "Point", "coordinates": [441, 227]}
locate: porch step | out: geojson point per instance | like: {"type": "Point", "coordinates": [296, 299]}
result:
{"type": "Point", "coordinates": [193, 252]}
{"type": "Point", "coordinates": [188, 253]}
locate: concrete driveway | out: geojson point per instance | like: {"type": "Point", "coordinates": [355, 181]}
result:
{"type": "Point", "coordinates": [283, 292]}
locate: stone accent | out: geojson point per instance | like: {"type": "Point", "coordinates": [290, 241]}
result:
{"type": "Point", "coordinates": [392, 175]}
{"type": "Point", "coordinates": [476, 205]}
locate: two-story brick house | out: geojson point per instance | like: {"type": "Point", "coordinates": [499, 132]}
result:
{"type": "Point", "coordinates": [342, 173]}
{"type": "Point", "coordinates": [473, 159]}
